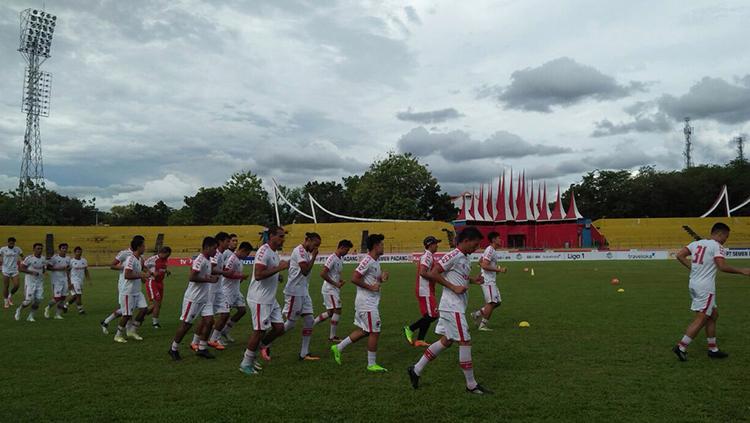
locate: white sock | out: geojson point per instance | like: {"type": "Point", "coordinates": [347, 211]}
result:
{"type": "Point", "coordinates": [248, 359]}
{"type": "Point", "coordinates": [154, 320]}
{"type": "Point", "coordinates": [228, 327]}
{"type": "Point", "coordinates": [202, 345]}
{"type": "Point", "coordinates": [110, 318]}
{"type": "Point", "coordinates": [464, 359]}
{"type": "Point", "coordinates": [321, 317]}
{"type": "Point", "coordinates": [175, 345]}
{"type": "Point", "coordinates": [215, 335]}
{"type": "Point", "coordinates": [289, 325]}
{"type": "Point", "coordinates": [120, 330]}
{"type": "Point", "coordinates": [306, 335]}
{"type": "Point", "coordinates": [334, 324]}
{"type": "Point", "coordinates": [345, 343]}
{"type": "Point", "coordinates": [196, 339]}
{"type": "Point", "coordinates": [429, 354]}
{"type": "Point", "coordinates": [684, 342]}
{"type": "Point", "coordinates": [712, 344]}
{"type": "Point", "coordinates": [372, 358]}
{"type": "Point", "coordinates": [31, 313]}
{"type": "Point", "coordinates": [484, 321]}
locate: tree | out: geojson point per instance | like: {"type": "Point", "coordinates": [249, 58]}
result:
{"type": "Point", "coordinates": [330, 195]}
{"type": "Point", "coordinates": [244, 201]}
{"type": "Point", "coordinates": [204, 206]}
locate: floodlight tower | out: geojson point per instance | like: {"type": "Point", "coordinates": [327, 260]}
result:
{"type": "Point", "coordinates": [37, 27]}
{"type": "Point", "coordinates": [688, 131]}
{"type": "Point", "coordinates": [740, 148]}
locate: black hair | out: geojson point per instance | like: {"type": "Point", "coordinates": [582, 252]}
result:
{"type": "Point", "coordinates": [77, 249]}
{"type": "Point", "coordinates": [274, 229]}
{"type": "Point", "coordinates": [720, 227]}
{"type": "Point", "coordinates": [139, 237]}
{"type": "Point", "coordinates": [373, 240]}
{"type": "Point", "coordinates": [312, 235]}
{"type": "Point", "coordinates": [221, 236]}
{"type": "Point", "coordinates": [37, 243]}
{"type": "Point", "coordinates": [209, 242]}
{"type": "Point", "coordinates": [345, 243]}
{"type": "Point", "coordinates": [11, 239]}
{"type": "Point", "coordinates": [492, 235]}
{"type": "Point", "coordinates": [246, 246]}
{"type": "Point", "coordinates": [136, 243]}
{"type": "Point", "coordinates": [62, 244]}
{"type": "Point", "coordinates": [469, 233]}
{"type": "Point", "coordinates": [232, 236]}
{"type": "Point", "coordinates": [165, 250]}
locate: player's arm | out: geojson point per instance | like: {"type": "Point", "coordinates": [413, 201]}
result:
{"type": "Point", "coordinates": [436, 275]}
{"type": "Point", "coordinates": [306, 266]}
{"type": "Point", "coordinates": [325, 274]}
{"type": "Point", "coordinates": [197, 278]}
{"type": "Point", "coordinates": [86, 273]}
{"type": "Point", "coordinates": [262, 271]}
{"type": "Point", "coordinates": [682, 257]}
{"type": "Point", "coordinates": [116, 265]}
{"type": "Point", "coordinates": [721, 263]}
{"type": "Point", "coordinates": [131, 274]}
{"type": "Point", "coordinates": [23, 268]}
{"type": "Point", "coordinates": [358, 280]}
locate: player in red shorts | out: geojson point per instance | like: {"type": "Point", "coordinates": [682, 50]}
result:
{"type": "Point", "coordinates": [157, 271]}
{"type": "Point", "coordinates": [425, 291]}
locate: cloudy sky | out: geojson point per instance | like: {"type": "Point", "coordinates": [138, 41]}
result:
{"type": "Point", "coordinates": [152, 99]}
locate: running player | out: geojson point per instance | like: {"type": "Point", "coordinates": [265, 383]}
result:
{"type": "Point", "coordinates": [708, 255]}
{"type": "Point", "coordinates": [452, 271]}
{"type": "Point", "coordinates": [368, 278]}
{"type": "Point", "coordinates": [11, 256]}
{"type": "Point", "coordinates": [33, 266]}
{"type": "Point", "coordinates": [261, 298]}
{"type": "Point", "coordinates": [232, 247]}
{"type": "Point", "coordinates": [157, 271]}
{"type": "Point", "coordinates": [230, 287]}
{"type": "Point", "coordinates": [116, 264]}
{"type": "Point", "coordinates": [425, 295]}
{"type": "Point", "coordinates": [490, 269]}
{"type": "Point", "coordinates": [131, 295]}
{"type": "Point", "coordinates": [79, 270]}
{"type": "Point", "coordinates": [215, 295]}
{"type": "Point", "coordinates": [59, 266]}
{"type": "Point", "coordinates": [297, 301]}
{"type": "Point", "coordinates": [196, 300]}
{"type": "Point", "coordinates": [331, 290]}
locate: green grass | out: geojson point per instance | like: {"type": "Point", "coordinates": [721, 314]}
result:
{"type": "Point", "coordinates": [591, 354]}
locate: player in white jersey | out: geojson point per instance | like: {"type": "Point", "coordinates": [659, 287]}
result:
{"type": "Point", "coordinates": [131, 295]}
{"type": "Point", "coordinates": [331, 289]}
{"type": "Point", "coordinates": [215, 294]}
{"type": "Point", "coordinates": [196, 301]}
{"type": "Point", "coordinates": [453, 272]}
{"type": "Point", "coordinates": [33, 266]}
{"type": "Point", "coordinates": [297, 301]}
{"type": "Point", "coordinates": [708, 256]}
{"type": "Point", "coordinates": [261, 298]}
{"type": "Point", "coordinates": [490, 269]}
{"type": "Point", "coordinates": [59, 267]}
{"type": "Point", "coordinates": [230, 288]}
{"type": "Point", "coordinates": [425, 292]}
{"type": "Point", "coordinates": [367, 277]}
{"type": "Point", "coordinates": [10, 256]}
{"type": "Point", "coordinates": [117, 264]}
{"type": "Point", "coordinates": [79, 270]}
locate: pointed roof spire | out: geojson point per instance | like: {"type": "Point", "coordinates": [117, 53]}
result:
{"type": "Point", "coordinates": [557, 212]}
{"type": "Point", "coordinates": [543, 206]}
{"type": "Point", "coordinates": [479, 204]}
{"type": "Point", "coordinates": [511, 202]}
{"type": "Point", "coordinates": [472, 211]}
{"type": "Point", "coordinates": [573, 212]}
{"type": "Point", "coordinates": [462, 212]}
{"type": "Point", "coordinates": [490, 215]}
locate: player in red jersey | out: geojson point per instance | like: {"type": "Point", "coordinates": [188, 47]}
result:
{"type": "Point", "coordinates": [157, 271]}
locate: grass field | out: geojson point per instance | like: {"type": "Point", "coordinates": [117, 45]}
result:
{"type": "Point", "coordinates": [591, 354]}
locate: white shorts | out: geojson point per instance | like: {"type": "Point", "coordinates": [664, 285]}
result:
{"type": "Point", "coordinates": [33, 292]}
{"type": "Point", "coordinates": [491, 293]}
{"type": "Point", "coordinates": [332, 301]}
{"type": "Point", "coordinates": [297, 305]}
{"type": "Point", "coordinates": [265, 314]}
{"type": "Point", "coordinates": [234, 297]}
{"type": "Point", "coordinates": [703, 301]}
{"type": "Point", "coordinates": [368, 321]}
{"type": "Point", "coordinates": [11, 274]}
{"type": "Point", "coordinates": [59, 289]}
{"type": "Point", "coordinates": [192, 309]}
{"type": "Point", "coordinates": [77, 287]}
{"type": "Point", "coordinates": [220, 302]}
{"type": "Point", "coordinates": [453, 325]}
{"type": "Point", "coordinates": [130, 302]}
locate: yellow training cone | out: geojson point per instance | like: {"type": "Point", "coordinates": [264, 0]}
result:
{"type": "Point", "coordinates": [620, 290]}
{"type": "Point", "coordinates": [532, 271]}
{"type": "Point", "coordinates": [524, 324]}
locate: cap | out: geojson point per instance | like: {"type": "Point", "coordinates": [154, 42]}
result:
{"type": "Point", "coordinates": [430, 240]}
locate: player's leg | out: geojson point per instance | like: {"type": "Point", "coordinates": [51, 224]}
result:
{"type": "Point", "coordinates": [189, 312]}
{"type": "Point", "coordinates": [467, 366]}
{"type": "Point", "coordinates": [691, 332]}
{"type": "Point", "coordinates": [430, 315]}
{"type": "Point", "coordinates": [15, 284]}
{"type": "Point", "coordinates": [206, 329]}
{"type": "Point", "coordinates": [325, 315]}
{"type": "Point", "coordinates": [713, 349]}
{"type": "Point", "coordinates": [225, 332]}
{"type": "Point", "coordinates": [335, 317]}
{"type": "Point", "coordinates": [372, 352]}
{"type": "Point", "coordinates": [142, 307]}
{"type": "Point", "coordinates": [249, 364]}
{"type": "Point", "coordinates": [197, 335]}
{"type": "Point", "coordinates": [112, 316]}
{"type": "Point", "coordinates": [353, 337]}
{"type": "Point", "coordinates": [28, 299]}
{"type": "Point", "coordinates": [308, 322]}
{"type": "Point", "coordinates": [277, 329]}
{"type": "Point", "coordinates": [220, 320]}
{"type": "Point", "coordinates": [429, 354]}
{"type": "Point", "coordinates": [127, 306]}
{"type": "Point", "coordinates": [6, 294]}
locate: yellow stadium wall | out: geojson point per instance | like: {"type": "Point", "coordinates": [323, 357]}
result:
{"type": "Point", "coordinates": [668, 233]}
{"type": "Point", "coordinates": [101, 243]}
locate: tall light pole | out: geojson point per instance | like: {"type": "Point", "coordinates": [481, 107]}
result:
{"type": "Point", "coordinates": [35, 41]}
{"type": "Point", "coordinates": [688, 131]}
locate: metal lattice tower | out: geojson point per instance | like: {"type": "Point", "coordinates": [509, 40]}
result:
{"type": "Point", "coordinates": [688, 131]}
{"type": "Point", "coordinates": [740, 148]}
{"type": "Point", "coordinates": [35, 41]}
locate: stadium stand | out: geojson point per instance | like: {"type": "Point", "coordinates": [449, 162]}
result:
{"type": "Point", "coordinates": [669, 233]}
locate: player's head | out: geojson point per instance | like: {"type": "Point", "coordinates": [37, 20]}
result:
{"type": "Point", "coordinates": [38, 249]}
{"type": "Point", "coordinates": [63, 248]}
{"type": "Point", "coordinates": [720, 232]}
{"type": "Point", "coordinates": [78, 252]}
{"type": "Point", "coordinates": [11, 242]}
{"type": "Point", "coordinates": [494, 239]}
{"type": "Point", "coordinates": [209, 246]}
{"type": "Point", "coordinates": [343, 248]}
{"type": "Point", "coordinates": [312, 241]}
{"type": "Point", "coordinates": [244, 249]}
{"type": "Point", "coordinates": [138, 244]}
{"type": "Point", "coordinates": [276, 235]}
{"type": "Point", "coordinates": [468, 239]}
{"type": "Point", "coordinates": [431, 243]}
{"type": "Point", "coordinates": [164, 252]}
{"type": "Point", "coordinates": [233, 240]}
{"type": "Point", "coordinates": [375, 244]}
{"type": "Point", "coordinates": [222, 240]}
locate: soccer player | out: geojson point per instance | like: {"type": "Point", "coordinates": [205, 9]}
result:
{"type": "Point", "coordinates": [196, 301]}
{"type": "Point", "coordinates": [33, 266]}
{"type": "Point", "coordinates": [425, 291]}
{"type": "Point", "coordinates": [707, 256]}
{"type": "Point", "coordinates": [452, 271]}
{"type": "Point", "coordinates": [261, 298]}
{"type": "Point", "coordinates": [117, 264]}
{"type": "Point", "coordinates": [331, 290]}
{"type": "Point", "coordinates": [131, 295]}
{"type": "Point", "coordinates": [59, 266]}
{"type": "Point", "coordinates": [230, 287]}
{"type": "Point", "coordinates": [79, 270]}
{"type": "Point", "coordinates": [215, 295]}
{"type": "Point", "coordinates": [157, 271]}
{"type": "Point", "coordinates": [490, 269]}
{"type": "Point", "coordinates": [367, 277]}
{"type": "Point", "coordinates": [11, 256]}
{"type": "Point", "coordinates": [297, 301]}
{"type": "Point", "coordinates": [232, 247]}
